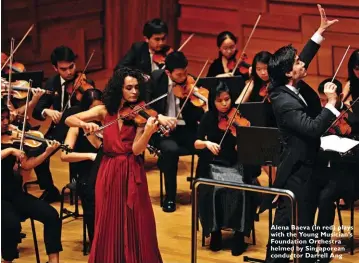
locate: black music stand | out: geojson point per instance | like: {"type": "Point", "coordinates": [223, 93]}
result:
{"type": "Point", "coordinates": [258, 113]}
{"type": "Point", "coordinates": [235, 84]}
{"type": "Point", "coordinates": [36, 76]}
{"type": "Point", "coordinates": [259, 146]}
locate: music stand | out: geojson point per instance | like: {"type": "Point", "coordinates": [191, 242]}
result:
{"type": "Point", "coordinates": [259, 146]}
{"type": "Point", "coordinates": [235, 84]}
{"type": "Point", "coordinates": [258, 113]}
{"type": "Point", "coordinates": [36, 76]}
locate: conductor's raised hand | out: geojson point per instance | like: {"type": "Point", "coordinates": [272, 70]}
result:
{"type": "Point", "coordinates": [324, 21]}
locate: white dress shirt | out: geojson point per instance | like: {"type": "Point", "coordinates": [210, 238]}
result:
{"type": "Point", "coordinates": [173, 103]}
{"type": "Point", "coordinates": [62, 82]}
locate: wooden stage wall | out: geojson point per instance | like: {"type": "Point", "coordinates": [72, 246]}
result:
{"type": "Point", "coordinates": [110, 26]}
{"type": "Point", "coordinates": [283, 22]}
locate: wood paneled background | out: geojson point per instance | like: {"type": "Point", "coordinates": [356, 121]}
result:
{"type": "Point", "coordinates": [283, 22]}
{"type": "Point", "coordinates": [77, 24]}
{"type": "Point", "coordinates": [110, 26]}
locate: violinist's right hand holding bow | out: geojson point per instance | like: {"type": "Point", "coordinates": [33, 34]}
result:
{"type": "Point", "coordinates": [166, 121]}
{"type": "Point", "coordinates": [213, 147]}
{"type": "Point", "coordinates": [89, 127]}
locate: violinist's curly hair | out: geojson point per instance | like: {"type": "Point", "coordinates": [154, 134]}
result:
{"type": "Point", "coordinates": [113, 94]}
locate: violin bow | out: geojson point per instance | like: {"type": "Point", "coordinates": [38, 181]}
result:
{"type": "Point", "coordinates": [130, 113]}
{"type": "Point", "coordinates": [245, 47]}
{"type": "Point", "coordinates": [10, 72]}
{"type": "Point", "coordinates": [182, 46]}
{"type": "Point", "coordinates": [18, 45]}
{"type": "Point", "coordinates": [22, 139]}
{"type": "Point", "coordinates": [78, 80]}
{"type": "Point", "coordinates": [336, 72]}
{"type": "Point", "coordinates": [234, 115]}
{"type": "Point", "coordinates": [190, 92]}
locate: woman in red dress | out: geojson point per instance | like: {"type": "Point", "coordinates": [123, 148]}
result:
{"type": "Point", "coordinates": [125, 229]}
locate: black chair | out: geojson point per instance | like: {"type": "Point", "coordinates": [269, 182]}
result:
{"type": "Point", "coordinates": [75, 214]}
{"type": "Point", "coordinates": [37, 254]}
{"type": "Point", "coordinates": [351, 223]}
{"type": "Point", "coordinates": [183, 152]}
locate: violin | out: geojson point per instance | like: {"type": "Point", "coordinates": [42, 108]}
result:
{"type": "Point", "coordinates": [224, 121]}
{"type": "Point", "coordinates": [78, 85]}
{"type": "Point", "coordinates": [263, 92]}
{"type": "Point", "coordinates": [199, 96]}
{"type": "Point", "coordinates": [341, 127]}
{"type": "Point", "coordinates": [19, 89]}
{"type": "Point", "coordinates": [160, 56]}
{"type": "Point", "coordinates": [33, 139]}
{"type": "Point", "coordinates": [16, 66]}
{"type": "Point", "coordinates": [141, 117]}
{"type": "Point", "coordinates": [243, 65]}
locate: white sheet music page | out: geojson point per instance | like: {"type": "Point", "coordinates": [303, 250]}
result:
{"type": "Point", "coordinates": [337, 144]}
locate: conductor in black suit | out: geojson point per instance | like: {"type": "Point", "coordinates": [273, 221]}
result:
{"type": "Point", "coordinates": [141, 53]}
{"type": "Point", "coordinates": [300, 134]}
{"type": "Point", "coordinates": [184, 129]}
{"type": "Point", "coordinates": [63, 61]}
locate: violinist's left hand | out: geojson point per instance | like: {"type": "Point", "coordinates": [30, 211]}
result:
{"type": "Point", "coordinates": [324, 22]}
{"type": "Point", "coordinates": [37, 93]}
{"type": "Point", "coordinates": [52, 145]}
{"type": "Point", "coordinates": [151, 125]}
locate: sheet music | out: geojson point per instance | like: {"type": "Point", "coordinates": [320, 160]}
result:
{"type": "Point", "coordinates": [337, 144]}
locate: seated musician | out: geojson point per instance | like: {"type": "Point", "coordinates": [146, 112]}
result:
{"type": "Point", "coordinates": [63, 61]}
{"type": "Point", "coordinates": [224, 208]}
{"type": "Point", "coordinates": [16, 205]}
{"type": "Point", "coordinates": [256, 90]}
{"type": "Point", "coordinates": [352, 86]}
{"type": "Point", "coordinates": [184, 128]}
{"type": "Point", "coordinates": [226, 61]}
{"type": "Point", "coordinates": [141, 54]}
{"type": "Point", "coordinates": [84, 155]}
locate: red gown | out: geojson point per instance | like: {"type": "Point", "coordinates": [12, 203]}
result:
{"type": "Point", "coordinates": [125, 229]}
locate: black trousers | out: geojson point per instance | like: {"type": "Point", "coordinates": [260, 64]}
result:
{"type": "Point", "coordinates": [43, 173]}
{"type": "Point", "coordinates": [181, 137]}
{"type": "Point", "coordinates": [23, 206]}
{"type": "Point", "coordinates": [280, 239]}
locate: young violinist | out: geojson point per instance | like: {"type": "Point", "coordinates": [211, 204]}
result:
{"type": "Point", "coordinates": [256, 90]}
{"type": "Point", "coordinates": [84, 155]}
{"type": "Point", "coordinates": [63, 62]}
{"type": "Point", "coordinates": [16, 205]}
{"type": "Point", "coordinates": [141, 54]}
{"type": "Point", "coordinates": [226, 61]}
{"type": "Point", "coordinates": [184, 128]}
{"type": "Point", "coordinates": [300, 135]}
{"type": "Point", "coordinates": [352, 85]}
{"type": "Point", "coordinates": [334, 179]}
{"type": "Point", "coordinates": [125, 229]}
{"type": "Point", "coordinates": [228, 209]}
